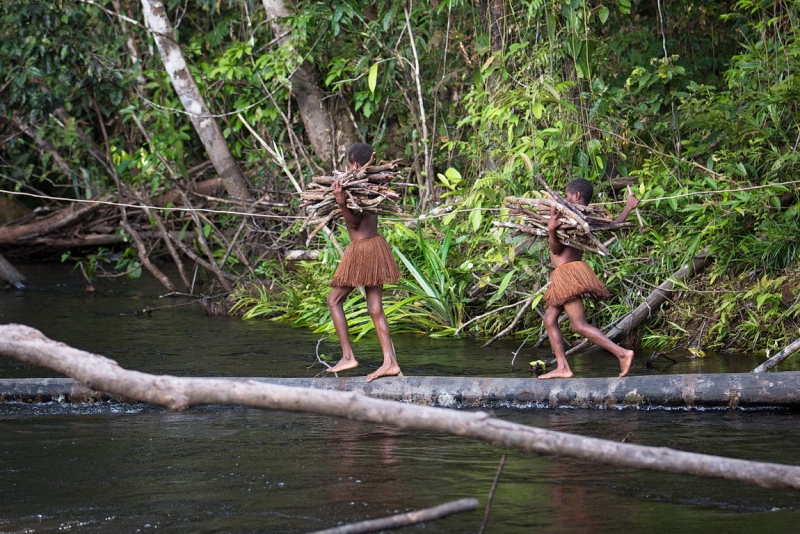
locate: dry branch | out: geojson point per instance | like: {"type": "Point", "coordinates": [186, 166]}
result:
{"type": "Point", "coordinates": [793, 347]}
{"type": "Point", "coordinates": [367, 190]}
{"type": "Point", "coordinates": [404, 520]}
{"type": "Point", "coordinates": [578, 223]}
{"type": "Point", "coordinates": [31, 346]}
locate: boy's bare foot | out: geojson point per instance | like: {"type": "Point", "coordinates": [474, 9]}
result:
{"type": "Point", "coordinates": [391, 369]}
{"type": "Point", "coordinates": [625, 362]}
{"type": "Point", "coordinates": [557, 373]}
{"type": "Point", "coordinates": [343, 365]}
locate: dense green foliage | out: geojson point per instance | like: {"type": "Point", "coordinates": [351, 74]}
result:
{"type": "Point", "coordinates": [692, 103]}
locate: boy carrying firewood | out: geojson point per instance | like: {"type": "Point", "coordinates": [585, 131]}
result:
{"type": "Point", "coordinates": [571, 281]}
{"type": "Point", "coordinates": [367, 261]}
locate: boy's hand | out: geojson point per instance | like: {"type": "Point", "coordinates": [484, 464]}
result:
{"type": "Point", "coordinates": [632, 202]}
{"type": "Point", "coordinates": [553, 223]}
{"type": "Point", "coordinates": [338, 192]}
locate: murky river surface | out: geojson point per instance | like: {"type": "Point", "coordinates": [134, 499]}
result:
{"type": "Point", "coordinates": [123, 468]}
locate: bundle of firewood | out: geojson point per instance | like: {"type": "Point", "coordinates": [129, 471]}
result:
{"type": "Point", "coordinates": [578, 223]}
{"type": "Point", "coordinates": [367, 190]}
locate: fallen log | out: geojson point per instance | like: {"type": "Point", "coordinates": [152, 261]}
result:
{"type": "Point", "coordinates": [46, 225]}
{"type": "Point", "coordinates": [31, 346]}
{"type": "Point", "coordinates": [627, 324]}
{"type": "Point", "coordinates": [729, 391]}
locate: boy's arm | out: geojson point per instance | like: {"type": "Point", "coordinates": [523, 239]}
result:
{"type": "Point", "coordinates": [352, 220]}
{"type": "Point", "coordinates": [629, 207]}
{"type": "Point", "coordinates": [556, 247]}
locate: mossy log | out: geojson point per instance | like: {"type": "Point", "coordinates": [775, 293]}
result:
{"type": "Point", "coordinates": [696, 391]}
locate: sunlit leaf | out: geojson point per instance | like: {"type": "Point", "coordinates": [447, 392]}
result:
{"type": "Point", "coordinates": [373, 77]}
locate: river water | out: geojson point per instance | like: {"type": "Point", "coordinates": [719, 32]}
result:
{"type": "Point", "coordinates": [136, 468]}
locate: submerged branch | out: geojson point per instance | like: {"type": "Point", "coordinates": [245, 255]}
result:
{"type": "Point", "coordinates": [793, 347]}
{"type": "Point", "coordinates": [406, 519]}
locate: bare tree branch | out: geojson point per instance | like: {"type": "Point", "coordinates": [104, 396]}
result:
{"type": "Point", "coordinates": [29, 345]}
{"type": "Point", "coordinates": [404, 520]}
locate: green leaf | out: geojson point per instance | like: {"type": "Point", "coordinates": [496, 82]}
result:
{"type": "Point", "coordinates": [453, 175]}
{"type": "Point", "coordinates": [476, 217]}
{"type": "Point", "coordinates": [503, 285]}
{"type": "Point", "coordinates": [603, 14]}
{"type": "Point", "coordinates": [373, 78]}
{"type": "Point", "coordinates": [537, 109]}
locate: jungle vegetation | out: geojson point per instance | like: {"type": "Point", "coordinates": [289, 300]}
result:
{"type": "Point", "coordinates": [691, 105]}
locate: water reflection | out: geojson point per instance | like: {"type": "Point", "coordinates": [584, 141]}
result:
{"type": "Point", "coordinates": [119, 468]}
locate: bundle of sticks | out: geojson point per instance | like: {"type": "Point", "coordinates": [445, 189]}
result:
{"type": "Point", "coordinates": [578, 223]}
{"type": "Point", "coordinates": [367, 190]}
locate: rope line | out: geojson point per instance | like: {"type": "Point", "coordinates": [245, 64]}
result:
{"type": "Point", "coordinates": [425, 216]}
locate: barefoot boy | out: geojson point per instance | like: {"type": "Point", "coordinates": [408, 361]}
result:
{"type": "Point", "coordinates": [572, 280]}
{"type": "Point", "coordinates": [367, 262]}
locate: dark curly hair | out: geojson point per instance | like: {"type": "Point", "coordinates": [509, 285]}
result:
{"type": "Point", "coordinates": [360, 154]}
{"type": "Point", "coordinates": [584, 187]}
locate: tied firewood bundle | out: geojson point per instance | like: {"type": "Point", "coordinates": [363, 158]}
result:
{"type": "Point", "coordinates": [578, 223]}
{"type": "Point", "coordinates": [367, 190]}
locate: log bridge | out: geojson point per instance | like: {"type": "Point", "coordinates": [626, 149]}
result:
{"type": "Point", "coordinates": [729, 391]}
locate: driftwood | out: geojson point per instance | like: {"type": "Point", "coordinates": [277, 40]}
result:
{"type": "Point", "coordinates": [404, 520]}
{"type": "Point", "coordinates": [31, 346]}
{"type": "Point", "coordinates": [18, 234]}
{"type": "Point", "coordinates": [180, 228]}
{"type": "Point", "coordinates": [793, 347]}
{"type": "Point", "coordinates": [9, 274]}
{"type": "Point", "coordinates": [367, 190]}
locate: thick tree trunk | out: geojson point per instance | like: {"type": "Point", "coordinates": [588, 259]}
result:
{"type": "Point", "coordinates": [330, 133]}
{"type": "Point", "coordinates": [206, 126]}
{"type": "Point", "coordinates": [493, 14]}
{"type": "Point", "coordinates": [703, 391]}
{"type": "Point", "coordinates": [29, 345]}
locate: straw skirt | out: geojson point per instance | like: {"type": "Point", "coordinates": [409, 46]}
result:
{"type": "Point", "coordinates": [366, 262]}
{"type": "Point", "coordinates": [574, 280]}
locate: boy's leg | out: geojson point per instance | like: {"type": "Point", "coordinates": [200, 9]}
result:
{"type": "Point", "coordinates": [390, 366]}
{"type": "Point", "coordinates": [574, 311]}
{"type": "Point", "coordinates": [335, 301]}
{"type": "Point", "coordinates": [562, 369]}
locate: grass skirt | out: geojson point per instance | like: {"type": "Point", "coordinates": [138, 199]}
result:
{"type": "Point", "coordinates": [366, 262]}
{"type": "Point", "coordinates": [574, 280]}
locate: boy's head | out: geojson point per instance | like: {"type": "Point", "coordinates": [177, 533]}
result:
{"type": "Point", "coordinates": [359, 154]}
{"type": "Point", "coordinates": [579, 191]}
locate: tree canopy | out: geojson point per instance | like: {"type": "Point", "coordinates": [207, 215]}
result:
{"type": "Point", "coordinates": [692, 105]}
